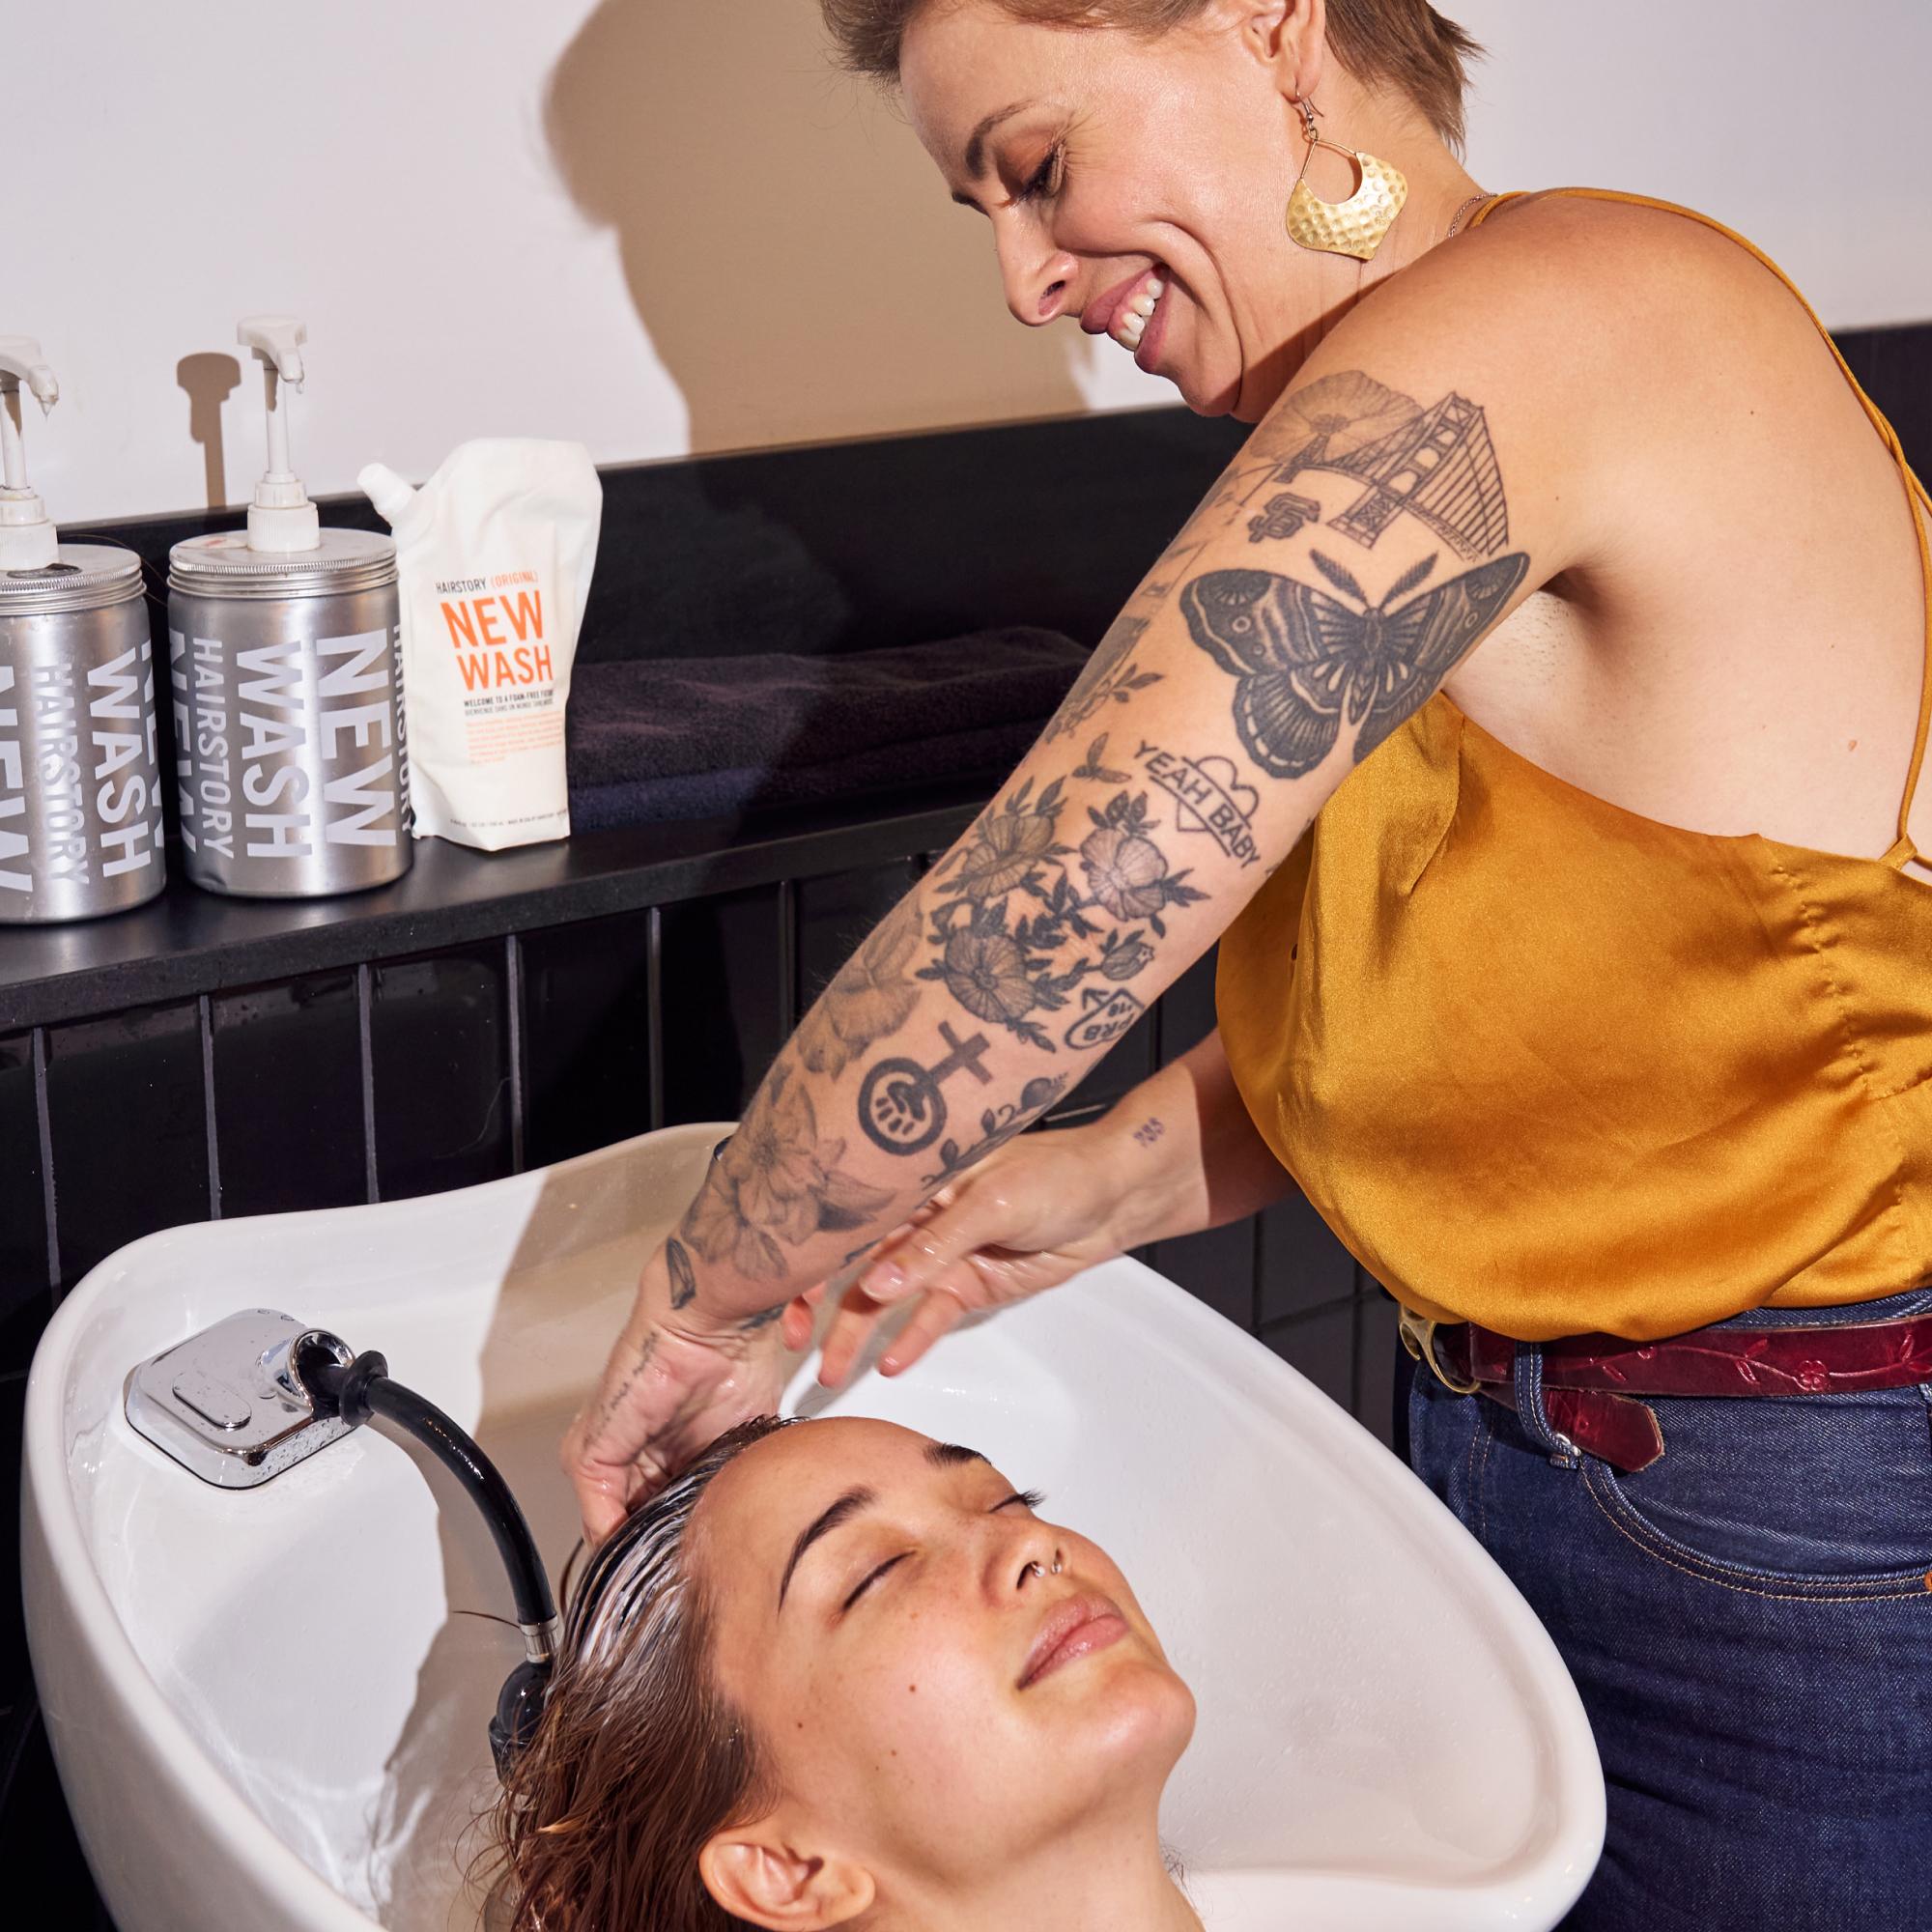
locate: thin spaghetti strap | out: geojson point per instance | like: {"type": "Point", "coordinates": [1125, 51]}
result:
{"type": "Point", "coordinates": [1903, 849]}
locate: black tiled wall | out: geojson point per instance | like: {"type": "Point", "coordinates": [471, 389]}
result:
{"type": "Point", "coordinates": [590, 1036]}
{"type": "Point", "coordinates": [443, 1079]}
{"type": "Point", "coordinates": [287, 1061]}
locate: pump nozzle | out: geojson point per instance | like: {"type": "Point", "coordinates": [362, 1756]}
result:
{"type": "Point", "coordinates": [281, 517]}
{"type": "Point", "coordinates": [28, 540]}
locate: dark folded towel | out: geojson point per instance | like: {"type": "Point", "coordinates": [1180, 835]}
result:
{"type": "Point", "coordinates": [665, 738]}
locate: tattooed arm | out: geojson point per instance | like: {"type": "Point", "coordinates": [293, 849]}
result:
{"type": "Point", "coordinates": [1358, 547]}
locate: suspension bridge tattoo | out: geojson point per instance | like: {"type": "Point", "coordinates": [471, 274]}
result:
{"type": "Point", "coordinates": [1305, 662]}
{"type": "Point", "coordinates": [1436, 464]}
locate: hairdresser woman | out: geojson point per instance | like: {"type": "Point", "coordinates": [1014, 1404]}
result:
{"type": "Point", "coordinates": [1568, 576]}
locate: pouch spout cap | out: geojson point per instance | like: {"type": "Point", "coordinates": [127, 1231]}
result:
{"type": "Point", "coordinates": [386, 490]}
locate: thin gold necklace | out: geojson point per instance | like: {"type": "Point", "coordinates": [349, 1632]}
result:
{"type": "Point", "coordinates": [1456, 219]}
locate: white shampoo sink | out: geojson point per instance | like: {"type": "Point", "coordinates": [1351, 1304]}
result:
{"type": "Point", "coordinates": [270, 1709]}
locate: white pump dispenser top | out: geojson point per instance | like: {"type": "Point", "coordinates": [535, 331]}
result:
{"type": "Point", "coordinates": [281, 517]}
{"type": "Point", "coordinates": [28, 539]}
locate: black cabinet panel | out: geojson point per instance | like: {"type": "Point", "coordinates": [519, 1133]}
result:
{"type": "Point", "coordinates": [1216, 1265]}
{"type": "Point", "coordinates": [288, 1096]}
{"type": "Point", "coordinates": [1323, 1347]}
{"type": "Point", "coordinates": [39, 1850]}
{"type": "Point", "coordinates": [129, 1131]}
{"type": "Point", "coordinates": [727, 979]}
{"type": "Point", "coordinates": [1187, 1007]}
{"type": "Point", "coordinates": [1302, 1264]}
{"type": "Point", "coordinates": [16, 1682]}
{"type": "Point", "coordinates": [441, 1049]}
{"type": "Point", "coordinates": [586, 993]}
{"type": "Point", "coordinates": [1376, 1350]}
{"type": "Point", "coordinates": [25, 1290]}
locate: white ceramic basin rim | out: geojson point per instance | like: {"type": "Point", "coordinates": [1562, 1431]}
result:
{"type": "Point", "coordinates": [269, 1707]}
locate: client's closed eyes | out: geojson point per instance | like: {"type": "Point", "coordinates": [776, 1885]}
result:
{"type": "Point", "coordinates": [1029, 1499]}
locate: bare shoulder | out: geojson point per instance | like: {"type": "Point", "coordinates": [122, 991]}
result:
{"type": "Point", "coordinates": [1559, 290]}
{"type": "Point", "coordinates": [1575, 296]}
{"type": "Point", "coordinates": [1595, 335]}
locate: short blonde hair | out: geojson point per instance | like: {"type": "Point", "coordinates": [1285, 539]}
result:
{"type": "Point", "coordinates": [1406, 43]}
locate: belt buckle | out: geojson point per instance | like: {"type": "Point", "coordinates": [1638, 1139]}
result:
{"type": "Point", "coordinates": [1418, 1337]}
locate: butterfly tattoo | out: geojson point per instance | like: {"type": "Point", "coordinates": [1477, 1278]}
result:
{"type": "Point", "coordinates": [1302, 661]}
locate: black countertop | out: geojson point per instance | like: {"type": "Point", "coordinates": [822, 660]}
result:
{"type": "Point", "coordinates": [188, 942]}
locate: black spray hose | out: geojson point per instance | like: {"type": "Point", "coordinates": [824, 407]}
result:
{"type": "Point", "coordinates": [359, 1387]}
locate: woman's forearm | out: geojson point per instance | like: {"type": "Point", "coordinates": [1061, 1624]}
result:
{"type": "Point", "coordinates": [1185, 1151]}
{"type": "Point", "coordinates": [981, 1001]}
{"type": "Point", "coordinates": [983, 998]}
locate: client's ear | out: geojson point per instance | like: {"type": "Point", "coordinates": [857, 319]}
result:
{"type": "Point", "coordinates": [756, 1874]}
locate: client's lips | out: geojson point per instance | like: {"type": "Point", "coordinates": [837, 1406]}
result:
{"type": "Point", "coordinates": [1074, 1628]}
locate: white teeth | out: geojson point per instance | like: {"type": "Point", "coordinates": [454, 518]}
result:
{"type": "Point", "coordinates": [1132, 322]}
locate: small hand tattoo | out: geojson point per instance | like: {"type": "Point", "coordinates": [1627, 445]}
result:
{"type": "Point", "coordinates": [683, 1280]}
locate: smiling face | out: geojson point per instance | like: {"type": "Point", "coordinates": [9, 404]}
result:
{"type": "Point", "coordinates": [1134, 175]}
{"type": "Point", "coordinates": [934, 1700]}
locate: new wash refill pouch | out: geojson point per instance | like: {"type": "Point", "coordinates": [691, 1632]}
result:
{"type": "Point", "coordinates": [494, 556]}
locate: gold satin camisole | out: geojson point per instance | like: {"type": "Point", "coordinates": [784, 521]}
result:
{"type": "Point", "coordinates": [1547, 1065]}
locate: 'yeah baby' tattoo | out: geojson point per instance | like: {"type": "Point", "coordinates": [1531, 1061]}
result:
{"type": "Point", "coordinates": [1209, 796]}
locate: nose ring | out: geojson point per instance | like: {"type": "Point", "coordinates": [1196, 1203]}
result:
{"type": "Point", "coordinates": [1038, 1572]}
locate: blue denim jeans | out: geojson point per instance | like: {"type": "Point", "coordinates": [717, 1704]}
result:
{"type": "Point", "coordinates": [1749, 1623]}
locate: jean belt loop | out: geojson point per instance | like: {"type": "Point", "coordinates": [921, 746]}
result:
{"type": "Point", "coordinates": [1529, 1407]}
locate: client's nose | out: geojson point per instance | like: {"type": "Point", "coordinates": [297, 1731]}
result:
{"type": "Point", "coordinates": [1038, 1565]}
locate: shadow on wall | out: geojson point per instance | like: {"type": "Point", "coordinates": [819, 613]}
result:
{"type": "Point", "coordinates": [208, 379]}
{"type": "Point", "coordinates": [785, 240]}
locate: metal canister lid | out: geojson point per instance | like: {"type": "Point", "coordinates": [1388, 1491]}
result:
{"type": "Point", "coordinates": [224, 566]}
{"type": "Point", "coordinates": [82, 577]}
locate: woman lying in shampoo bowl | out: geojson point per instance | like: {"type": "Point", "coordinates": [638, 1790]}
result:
{"type": "Point", "coordinates": [1572, 581]}
{"type": "Point", "coordinates": [837, 1673]}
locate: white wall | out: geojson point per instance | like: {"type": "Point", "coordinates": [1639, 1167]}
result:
{"type": "Point", "coordinates": [663, 225]}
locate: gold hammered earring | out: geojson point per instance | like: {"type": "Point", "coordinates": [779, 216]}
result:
{"type": "Point", "coordinates": [1352, 227]}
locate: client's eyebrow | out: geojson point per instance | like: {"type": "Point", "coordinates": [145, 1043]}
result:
{"type": "Point", "coordinates": [842, 1511]}
{"type": "Point", "coordinates": [944, 1455]}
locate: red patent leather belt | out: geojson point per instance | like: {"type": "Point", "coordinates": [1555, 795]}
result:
{"type": "Point", "coordinates": [1591, 1381]}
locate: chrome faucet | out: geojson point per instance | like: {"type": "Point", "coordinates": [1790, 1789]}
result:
{"type": "Point", "coordinates": [259, 1392]}
{"type": "Point", "coordinates": [229, 1405]}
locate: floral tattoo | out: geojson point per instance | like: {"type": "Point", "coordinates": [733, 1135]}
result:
{"type": "Point", "coordinates": [869, 999]}
{"type": "Point", "coordinates": [1110, 677]}
{"type": "Point", "coordinates": [1015, 932]}
{"type": "Point", "coordinates": [776, 1181]}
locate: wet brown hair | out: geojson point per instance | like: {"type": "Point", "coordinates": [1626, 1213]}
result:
{"type": "Point", "coordinates": [640, 1758]}
{"type": "Point", "coordinates": [1406, 43]}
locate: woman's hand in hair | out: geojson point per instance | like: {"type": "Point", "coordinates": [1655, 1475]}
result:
{"type": "Point", "coordinates": [674, 1382]}
{"type": "Point", "coordinates": [1177, 1153]}
{"type": "Point", "coordinates": [1031, 1215]}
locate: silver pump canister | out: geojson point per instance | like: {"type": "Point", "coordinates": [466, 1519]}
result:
{"type": "Point", "coordinates": [285, 662]}
{"type": "Point", "coordinates": [80, 782]}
